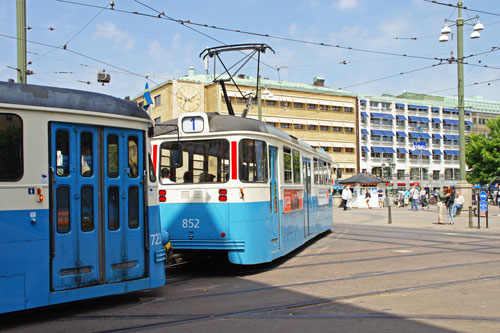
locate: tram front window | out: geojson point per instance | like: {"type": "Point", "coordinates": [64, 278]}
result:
{"type": "Point", "coordinates": [11, 147]}
{"type": "Point", "coordinates": [203, 161]}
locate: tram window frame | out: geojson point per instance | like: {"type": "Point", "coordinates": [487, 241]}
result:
{"type": "Point", "coordinates": [152, 174]}
{"type": "Point", "coordinates": [133, 207]}
{"type": "Point", "coordinates": [63, 211]}
{"type": "Point", "coordinates": [63, 155]}
{"type": "Point", "coordinates": [316, 171]}
{"type": "Point", "coordinates": [248, 160]}
{"type": "Point", "coordinates": [87, 226]}
{"type": "Point", "coordinates": [287, 165]}
{"type": "Point", "coordinates": [12, 164]}
{"type": "Point", "coordinates": [195, 169]}
{"type": "Point", "coordinates": [113, 156]}
{"type": "Point", "coordinates": [296, 166]}
{"type": "Point", "coordinates": [86, 154]}
{"type": "Point", "coordinates": [133, 160]}
{"type": "Point", "coordinates": [114, 208]}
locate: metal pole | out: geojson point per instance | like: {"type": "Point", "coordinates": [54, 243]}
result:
{"type": "Point", "coordinates": [389, 214]}
{"type": "Point", "coordinates": [460, 71]}
{"type": "Point", "coordinates": [21, 40]}
{"type": "Point", "coordinates": [470, 216]}
{"type": "Point", "coordinates": [259, 99]}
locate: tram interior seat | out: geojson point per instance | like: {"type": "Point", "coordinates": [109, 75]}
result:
{"type": "Point", "coordinates": [206, 177]}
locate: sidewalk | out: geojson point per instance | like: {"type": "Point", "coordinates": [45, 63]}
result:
{"type": "Point", "coordinates": [426, 218]}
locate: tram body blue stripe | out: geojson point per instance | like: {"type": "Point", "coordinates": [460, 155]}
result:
{"type": "Point", "coordinates": [25, 264]}
{"type": "Point", "coordinates": [247, 228]}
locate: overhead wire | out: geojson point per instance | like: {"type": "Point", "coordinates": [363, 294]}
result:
{"type": "Point", "coordinates": [81, 55]}
{"type": "Point", "coordinates": [463, 7]}
{"type": "Point", "coordinates": [391, 76]}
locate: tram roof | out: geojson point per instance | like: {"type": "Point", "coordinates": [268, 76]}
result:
{"type": "Point", "coordinates": [228, 123]}
{"type": "Point", "coordinates": [52, 97]}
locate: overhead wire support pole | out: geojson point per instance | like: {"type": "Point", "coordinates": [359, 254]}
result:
{"type": "Point", "coordinates": [460, 73]}
{"type": "Point", "coordinates": [21, 41]}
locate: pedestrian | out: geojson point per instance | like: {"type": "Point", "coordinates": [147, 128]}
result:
{"type": "Point", "coordinates": [367, 198]}
{"type": "Point", "coordinates": [346, 195]}
{"type": "Point", "coordinates": [414, 195]}
{"type": "Point", "coordinates": [450, 200]}
{"type": "Point", "coordinates": [441, 203]}
{"type": "Point", "coordinates": [423, 197]}
{"type": "Point", "coordinates": [458, 203]}
{"type": "Point", "coordinates": [380, 192]}
{"type": "Point", "coordinates": [406, 197]}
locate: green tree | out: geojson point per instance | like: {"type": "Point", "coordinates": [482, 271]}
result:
{"type": "Point", "coordinates": [482, 154]}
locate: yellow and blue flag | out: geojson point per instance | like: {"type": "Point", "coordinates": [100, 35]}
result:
{"type": "Point", "coordinates": [147, 97]}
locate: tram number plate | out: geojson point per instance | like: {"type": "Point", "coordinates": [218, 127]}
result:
{"type": "Point", "coordinates": [190, 223]}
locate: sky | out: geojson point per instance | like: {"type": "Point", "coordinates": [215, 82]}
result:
{"type": "Point", "coordinates": [372, 37]}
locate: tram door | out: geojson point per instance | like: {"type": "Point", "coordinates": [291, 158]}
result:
{"type": "Point", "coordinates": [85, 248]}
{"type": "Point", "coordinates": [306, 175]}
{"type": "Point", "coordinates": [274, 198]}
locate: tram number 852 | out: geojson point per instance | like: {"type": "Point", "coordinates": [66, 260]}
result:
{"type": "Point", "coordinates": [190, 223]}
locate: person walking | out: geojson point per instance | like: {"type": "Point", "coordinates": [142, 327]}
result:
{"type": "Point", "coordinates": [441, 203]}
{"type": "Point", "coordinates": [406, 197]}
{"type": "Point", "coordinates": [367, 198]}
{"type": "Point", "coordinates": [458, 204]}
{"type": "Point", "coordinates": [380, 197]}
{"type": "Point", "coordinates": [450, 200]}
{"type": "Point", "coordinates": [414, 195]}
{"type": "Point", "coordinates": [423, 197]}
{"type": "Point", "coordinates": [346, 195]}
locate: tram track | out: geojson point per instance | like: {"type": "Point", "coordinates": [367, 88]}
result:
{"type": "Point", "coordinates": [255, 312]}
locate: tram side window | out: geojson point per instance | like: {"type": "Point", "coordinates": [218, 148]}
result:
{"type": "Point", "coordinates": [133, 207]}
{"type": "Point", "coordinates": [296, 166]}
{"type": "Point", "coordinates": [203, 161]}
{"type": "Point", "coordinates": [329, 174]}
{"type": "Point", "coordinates": [11, 147]}
{"type": "Point", "coordinates": [113, 208]}
{"type": "Point", "coordinates": [287, 164]}
{"type": "Point", "coordinates": [87, 208]}
{"type": "Point", "coordinates": [133, 158]}
{"type": "Point", "coordinates": [63, 225]}
{"type": "Point", "coordinates": [86, 165]}
{"type": "Point", "coordinates": [113, 156]}
{"type": "Point", "coordinates": [316, 171]}
{"type": "Point", "coordinates": [253, 160]}
{"type": "Point", "coordinates": [152, 175]}
{"type": "Point", "coordinates": [62, 153]}
{"type": "Point", "coordinates": [325, 174]}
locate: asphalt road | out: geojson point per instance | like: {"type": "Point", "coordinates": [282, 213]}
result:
{"type": "Point", "coordinates": [365, 275]}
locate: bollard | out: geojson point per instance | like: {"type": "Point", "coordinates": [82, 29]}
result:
{"type": "Point", "coordinates": [389, 215]}
{"type": "Point", "coordinates": [470, 216]}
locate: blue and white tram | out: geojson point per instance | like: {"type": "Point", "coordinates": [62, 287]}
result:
{"type": "Point", "coordinates": [78, 207]}
{"type": "Point", "coordinates": [243, 187]}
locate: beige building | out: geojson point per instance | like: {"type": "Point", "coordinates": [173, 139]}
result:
{"type": "Point", "coordinates": [322, 116]}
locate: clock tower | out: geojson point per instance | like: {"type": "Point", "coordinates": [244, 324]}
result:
{"type": "Point", "coordinates": [187, 97]}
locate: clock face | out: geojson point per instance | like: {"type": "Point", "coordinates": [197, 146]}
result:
{"type": "Point", "coordinates": [188, 98]}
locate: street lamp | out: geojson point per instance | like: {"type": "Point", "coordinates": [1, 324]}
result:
{"type": "Point", "coordinates": [462, 184]}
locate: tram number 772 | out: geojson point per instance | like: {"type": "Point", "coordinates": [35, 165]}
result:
{"type": "Point", "coordinates": [190, 223]}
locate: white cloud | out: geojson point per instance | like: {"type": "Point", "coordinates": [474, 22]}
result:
{"type": "Point", "coordinates": [109, 31]}
{"type": "Point", "coordinates": [292, 29]}
{"type": "Point", "coordinates": [347, 4]}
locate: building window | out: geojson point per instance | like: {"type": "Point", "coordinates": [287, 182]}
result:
{"type": "Point", "coordinates": [386, 106]}
{"type": "Point", "coordinates": [349, 150]}
{"type": "Point", "coordinates": [271, 103]}
{"type": "Point", "coordinates": [401, 174]}
{"type": "Point", "coordinates": [436, 126]}
{"type": "Point", "coordinates": [387, 122]}
{"type": "Point", "coordinates": [298, 105]}
{"type": "Point", "coordinates": [311, 127]}
{"type": "Point", "coordinates": [435, 174]}
{"type": "Point", "coordinates": [284, 104]}
{"type": "Point", "coordinates": [349, 170]}
{"type": "Point", "coordinates": [401, 139]}
{"type": "Point", "coordinates": [436, 157]}
{"type": "Point", "coordinates": [323, 128]}
{"type": "Point", "coordinates": [337, 149]}
{"type": "Point", "coordinates": [348, 129]}
{"type": "Point", "coordinates": [374, 104]}
{"type": "Point", "coordinates": [401, 156]}
{"type": "Point", "coordinates": [298, 126]}
{"type": "Point", "coordinates": [336, 108]}
{"type": "Point", "coordinates": [284, 125]}
{"type": "Point", "coordinates": [323, 107]}
{"type": "Point", "coordinates": [157, 120]}
{"type": "Point", "coordinates": [241, 100]}
{"type": "Point", "coordinates": [400, 123]}
{"type": "Point", "coordinates": [337, 129]}
{"type": "Point", "coordinates": [400, 107]}
{"type": "Point", "coordinates": [387, 138]}
{"type": "Point", "coordinates": [375, 137]}
{"type": "Point", "coordinates": [348, 109]}
{"type": "Point", "coordinates": [157, 100]}
{"type": "Point", "coordinates": [375, 121]}
{"type": "Point", "coordinates": [375, 155]}
{"type": "Point", "coordinates": [311, 107]}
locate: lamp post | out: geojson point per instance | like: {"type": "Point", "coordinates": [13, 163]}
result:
{"type": "Point", "coordinates": [464, 187]}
